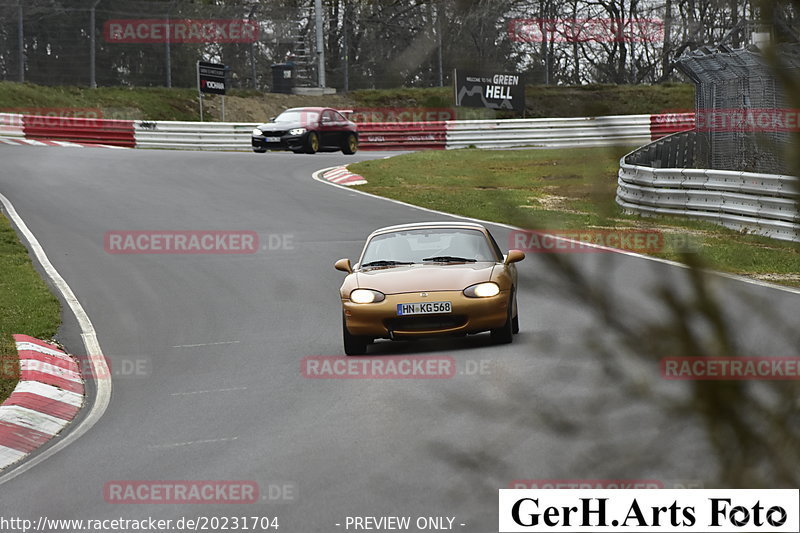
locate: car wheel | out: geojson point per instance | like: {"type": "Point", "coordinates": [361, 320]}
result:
{"type": "Point", "coordinates": [259, 149]}
{"type": "Point", "coordinates": [505, 334]}
{"type": "Point", "coordinates": [350, 145]}
{"type": "Point", "coordinates": [353, 344]}
{"type": "Point", "coordinates": [312, 143]}
{"type": "Point", "coordinates": [515, 320]}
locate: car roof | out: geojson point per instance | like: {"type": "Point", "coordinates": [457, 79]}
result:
{"type": "Point", "coordinates": [425, 225]}
{"type": "Point", "coordinates": [314, 109]}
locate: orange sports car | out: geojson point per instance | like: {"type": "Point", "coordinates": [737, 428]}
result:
{"type": "Point", "coordinates": [428, 279]}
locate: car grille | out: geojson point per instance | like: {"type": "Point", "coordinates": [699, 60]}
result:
{"type": "Point", "coordinates": [425, 323]}
{"type": "Point", "coordinates": [274, 133]}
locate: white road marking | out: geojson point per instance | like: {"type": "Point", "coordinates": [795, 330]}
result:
{"type": "Point", "coordinates": [205, 344]}
{"type": "Point", "coordinates": [90, 343]}
{"type": "Point", "coordinates": [317, 176]}
{"type": "Point", "coordinates": [208, 391]}
{"type": "Point", "coordinates": [191, 442]}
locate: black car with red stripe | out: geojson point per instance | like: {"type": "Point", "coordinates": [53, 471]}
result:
{"type": "Point", "coordinates": [307, 130]}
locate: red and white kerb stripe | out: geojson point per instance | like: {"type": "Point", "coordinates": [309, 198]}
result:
{"type": "Point", "coordinates": [342, 176]}
{"type": "Point", "coordinates": [49, 394]}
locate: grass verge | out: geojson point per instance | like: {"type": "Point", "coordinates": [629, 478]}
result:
{"type": "Point", "coordinates": [158, 103]}
{"type": "Point", "coordinates": [26, 304]}
{"type": "Point", "coordinates": [570, 189]}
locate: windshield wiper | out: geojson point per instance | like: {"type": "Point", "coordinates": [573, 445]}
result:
{"type": "Point", "coordinates": [384, 262]}
{"type": "Point", "coordinates": [450, 259]}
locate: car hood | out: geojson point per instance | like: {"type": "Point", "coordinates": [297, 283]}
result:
{"type": "Point", "coordinates": [424, 277]}
{"type": "Point", "coordinates": [281, 126]}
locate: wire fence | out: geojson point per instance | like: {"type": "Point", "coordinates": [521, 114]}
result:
{"type": "Point", "coordinates": [742, 116]}
{"type": "Point", "coordinates": [152, 43]}
{"type": "Point", "coordinates": [158, 42]}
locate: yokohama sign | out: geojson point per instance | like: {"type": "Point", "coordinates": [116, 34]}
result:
{"type": "Point", "coordinates": [180, 31]}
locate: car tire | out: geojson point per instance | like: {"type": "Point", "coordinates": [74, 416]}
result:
{"type": "Point", "coordinates": [312, 143]}
{"type": "Point", "coordinates": [350, 145]}
{"type": "Point", "coordinates": [353, 344]}
{"type": "Point", "coordinates": [505, 334]}
{"type": "Point", "coordinates": [259, 150]}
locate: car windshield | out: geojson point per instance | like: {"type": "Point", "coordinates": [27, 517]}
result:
{"type": "Point", "coordinates": [301, 116]}
{"type": "Point", "coordinates": [428, 245]}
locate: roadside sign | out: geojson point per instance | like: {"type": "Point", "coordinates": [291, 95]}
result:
{"type": "Point", "coordinates": [211, 78]}
{"type": "Point", "coordinates": [500, 91]}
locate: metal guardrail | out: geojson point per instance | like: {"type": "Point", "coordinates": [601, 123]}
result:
{"type": "Point", "coordinates": [549, 132]}
{"type": "Point", "coordinates": [402, 135]}
{"type": "Point", "coordinates": [552, 132]}
{"type": "Point", "coordinates": [11, 125]}
{"type": "Point", "coordinates": [80, 130]}
{"type": "Point", "coordinates": [539, 132]}
{"type": "Point", "coordinates": [651, 182]}
{"type": "Point", "coordinates": [193, 135]}
{"type": "Point", "coordinates": [236, 136]}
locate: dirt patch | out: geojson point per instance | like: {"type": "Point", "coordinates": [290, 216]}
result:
{"type": "Point", "coordinates": [551, 201]}
{"type": "Point", "coordinates": [560, 177]}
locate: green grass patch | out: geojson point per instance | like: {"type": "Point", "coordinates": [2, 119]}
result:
{"type": "Point", "coordinates": [567, 189]}
{"type": "Point", "coordinates": [599, 100]}
{"type": "Point", "coordinates": [113, 102]}
{"type": "Point", "coordinates": [549, 100]}
{"type": "Point", "coordinates": [154, 103]}
{"type": "Point", "coordinates": [26, 305]}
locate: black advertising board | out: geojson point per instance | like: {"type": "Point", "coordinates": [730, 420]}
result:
{"type": "Point", "coordinates": [211, 78]}
{"type": "Point", "coordinates": [500, 91]}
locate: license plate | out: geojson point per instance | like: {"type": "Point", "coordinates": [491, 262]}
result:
{"type": "Point", "coordinates": [426, 308]}
{"type": "Point", "coordinates": [272, 139]}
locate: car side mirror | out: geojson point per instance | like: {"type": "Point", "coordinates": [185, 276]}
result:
{"type": "Point", "coordinates": [272, 119]}
{"type": "Point", "coordinates": [514, 256]}
{"type": "Point", "coordinates": [343, 265]}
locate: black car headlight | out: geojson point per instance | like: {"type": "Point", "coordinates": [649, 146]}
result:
{"type": "Point", "coordinates": [366, 296]}
{"type": "Point", "coordinates": [297, 131]}
{"type": "Point", "coordinates": [257, 132]}
{"type": "Point", "coordinates": [482, 290]}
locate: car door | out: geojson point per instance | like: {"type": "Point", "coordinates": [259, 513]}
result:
{"type": "Point", "coordinates": [341, 128]}
{"type": "Point", "coordinates": [328, 136]}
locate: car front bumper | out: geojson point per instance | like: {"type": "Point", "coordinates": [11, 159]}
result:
{"type": "Point", "coordinates": [287, 142]}
{"type": "Point", "coordinates": [468, 315]}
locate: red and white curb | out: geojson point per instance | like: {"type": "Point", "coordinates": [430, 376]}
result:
{"type": "Point", "coordinates": [18, 141]}
{"type": "Point", "coordinates": [48, 396]}
{"type": "Point", "coordinates": [342, 176]}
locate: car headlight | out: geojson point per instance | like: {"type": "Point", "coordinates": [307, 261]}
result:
{"type": "Point", "coordinates": [366, 296]}
{"type": "Point", "coordinates": [482, 290]}
{"type": "Point", "coordinates": [297, 131]}
{"type": "Point", "coordinates": [257, 132]}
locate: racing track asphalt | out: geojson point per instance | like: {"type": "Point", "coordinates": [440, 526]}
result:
{"type": "Point", "coordinates": [223, 337]}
